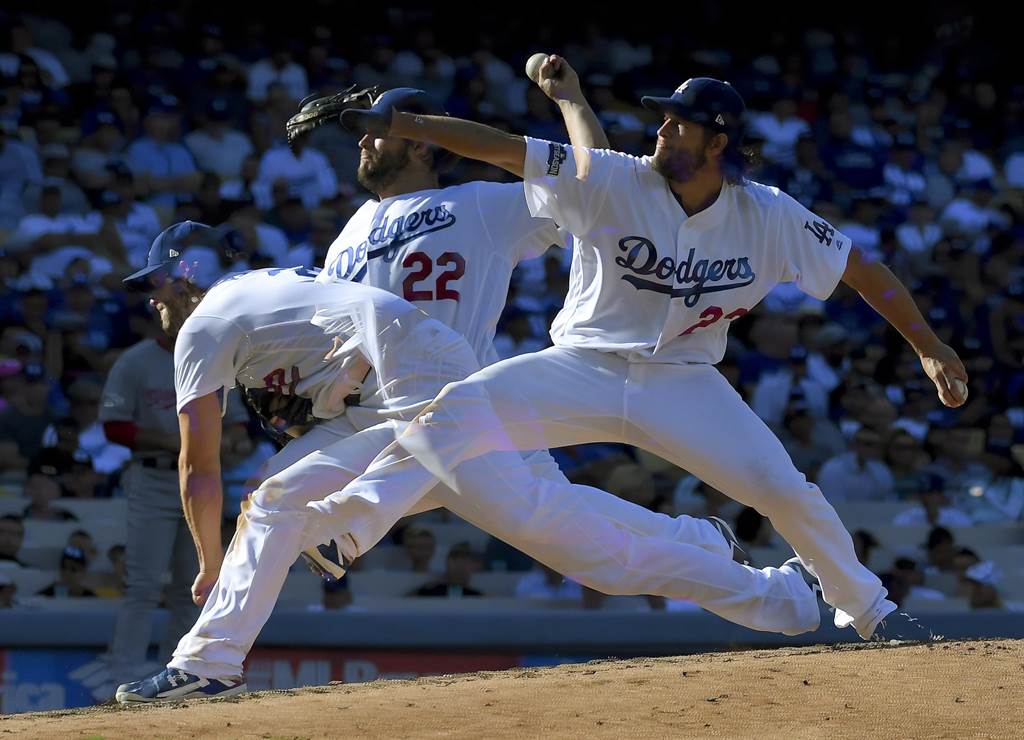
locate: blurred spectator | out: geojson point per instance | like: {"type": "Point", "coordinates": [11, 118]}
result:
{"type": "Point", "coordinates": [107, 457]}
{"type": "Point", "coordinates": [305, 172]}
{"type": "Point", "coordinates": [12, 535]}
{"type": "Point", "coordinates": [22, 43]}
{"type": "Point", "coordinates": [515, 334]}
{"type": "Point", "coordinates": [137, 223]}
{"type": "Point", "coordinates": [101, 151]}
{"type": "Point", "coordinates": [913, 578]}
{"type": "Point", "coordinates": [956, 461]}
{"type": "Point", "coordinates": [7, 591]}
{"type": "Point", "coordinates": [809, 441]}
{"type": "Point", "coordinates": [56, 172]}
{"type": "Point", "coordinates": [163, 167]}
{"type": "Point", "coordinates": [83, 542]}
{"type": "Point", "coordinates": [934, 506]}
{"type": "Point", "coordinates": [941, 549]}
{"type": "Point", "coordinates": [28, 415]}
{"type": "Point", "coordinates": [776, 389]}
{"type": "Point", "coordinates": [19, 168]}
{"type": "Point", "coordinates": [753, 529]}
{"type": "Point", "coordinates": [42, 488]}
{"type": "Point", "coordinates": [545, 583]}
{"type": "Point", "coordinates": [864, 543]}
{"type": "Point", "coordinates": [636, 484]}
{"type": "Point", "coordinates": [970, 213]}
{"type": "Point", "coordinates": [906, 459]}
{"type": "Point", "coordinates": [780, 129]}
{"type": "Point", "coordinates": [919, 233]}
{"type": "Point", "coordinates": [280, 68]}
{"type": "Point", "coordinates": [857, 167]}
{"type": "Point", "coordinates": [982, 579]}
{"type": "Point", "coordinates": [70, 581]}
{"type": "Point", "coordinates": [501, 556]}
{"type": "Point", "coordinates": [857, 475]}
{"type": "Point", "coordinates": [337, 594]}
{"type": "Point", "coordinates": [460, 565]}
{"type": "Point", "coordinates": [111, 584]}
{"type": "Point", "coordinates": [904, 177]}
{"type": "Point", "coordinates": [216, 146]}
{"type": "Point", "coordinates": [419, 545]}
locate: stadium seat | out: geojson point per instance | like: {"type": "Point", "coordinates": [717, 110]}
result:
{"type": "Point", "coordinates": [386, 582]}
{"type": "Point", "coordinates": [949, 605]}
{"type": "Point", "coordinates": [867, 514]}
{"type": "Point", "coordinates": [986, 536]}
{"type": "Point", "coordinates": [47, 533]}
{"type": "Point", "coordinates": [93, 510]}
{"type": "Point", "coordinates": [30, 580]}
{"type": "Point", "coordinates": [384, 557]}
{"type": "Point", "coordinates": [301, 589]}
{"type": "Point", "coordinates": [13, 505]}
{"type": "Point", "coordinates": [46, 557]}
{"type": "Point", "coordinates": [497, 583]}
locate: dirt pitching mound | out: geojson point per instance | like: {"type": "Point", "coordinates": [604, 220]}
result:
{"type": "Point", "coordinates": [945, 690]}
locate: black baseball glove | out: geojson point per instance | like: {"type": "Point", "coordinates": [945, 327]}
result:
{"type": "Point", "coordinates": [314, 111]}
{"type": "Point", "coordinates": [279, 412]}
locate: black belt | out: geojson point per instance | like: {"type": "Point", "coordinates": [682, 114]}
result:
{"type": "Point", "coordinates": [159, 463]}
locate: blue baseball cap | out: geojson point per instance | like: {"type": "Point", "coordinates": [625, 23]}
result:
{"type": "Point", "coordinates": [405, 99]}
{"type": "Point", "coordinates": [704, 100]}
{"type": "Point", "coordinates": [165, 253]}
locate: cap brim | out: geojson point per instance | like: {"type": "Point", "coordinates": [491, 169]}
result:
{"type": "Point", "coordinates": [139, 280]}
{"type": "Point", "coordinates": [353, 119]}
{"type": "Point", "coordinates": [658, 104]}
{"type": "Point", "coordinates": [668, 105]}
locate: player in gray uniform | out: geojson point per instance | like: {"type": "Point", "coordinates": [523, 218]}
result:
{"type": "Point", "coordinates": [669, 250]}
{"type": "Point", "coordinates": [137, 411]}
{"type": "Point", "coordinates": [280, 331]}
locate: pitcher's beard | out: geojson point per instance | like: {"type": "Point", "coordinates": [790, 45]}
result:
{"type": "Point", "coordinates": [381, 170]}
{"type": "Point", "coordinates": [678, 166]}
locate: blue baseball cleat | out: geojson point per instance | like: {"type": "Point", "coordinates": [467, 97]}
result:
{"type": "Point", "coordinates": [174, 684]}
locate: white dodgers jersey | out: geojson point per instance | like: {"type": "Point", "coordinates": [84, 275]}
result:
{"type": "Point", "coordinates": [651, 283]}
{"type": "Point", "coordinates": [449, 252]}
{"type": "Point", "coordinates": [253, 329]}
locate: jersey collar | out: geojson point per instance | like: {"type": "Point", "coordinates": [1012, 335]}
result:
{"type": "Point", "coordinates": [710, 216]}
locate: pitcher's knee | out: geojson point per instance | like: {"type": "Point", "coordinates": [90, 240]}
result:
{"type": "Point", "coordinates": [774, 488]}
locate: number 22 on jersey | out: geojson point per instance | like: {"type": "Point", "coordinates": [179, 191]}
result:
{"type": "Point", "coordinates": [418, 285]}
{"type": "Point", "coordinates": [710, 315]}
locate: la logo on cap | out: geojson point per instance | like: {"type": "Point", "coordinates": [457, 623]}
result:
{"type": "Point", "coordinates": [175, 252]}
{"type": "Point", "coordinates": [682, 87]}
{"type": "Point", "coordinates": [719, 120]}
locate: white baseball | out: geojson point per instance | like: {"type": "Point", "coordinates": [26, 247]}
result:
{"type": "Point", "coordinates": [960, 388]}
{"type": "Point", "coordinates": [533, 65]}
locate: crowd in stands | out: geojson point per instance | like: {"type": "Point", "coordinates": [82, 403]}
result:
{"type": "Point", "coordinates": [114, 125]}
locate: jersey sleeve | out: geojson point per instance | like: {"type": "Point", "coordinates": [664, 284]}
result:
{"type": "Point", "coordinates": [812, 252]}
{"type": "Point", "coordinates": [509, 225]}
{"type": "Point", "coordinates": [119, 393]}
{"type": "Point", "coordinates": [569, 184]}
{"type": "Point", "coordinates": [204, 358]}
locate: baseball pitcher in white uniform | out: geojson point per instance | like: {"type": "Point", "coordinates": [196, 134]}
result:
{"type": "Point", "coordinates": [313, 344]}
{"type": "Point", "coordinates": [669, 249]}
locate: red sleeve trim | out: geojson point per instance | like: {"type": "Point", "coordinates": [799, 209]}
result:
{"type": "Point", "coordinates": [121, 432]}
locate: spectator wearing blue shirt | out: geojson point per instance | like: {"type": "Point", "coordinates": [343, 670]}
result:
{"type": "Point", "coordinates": [162, 165]}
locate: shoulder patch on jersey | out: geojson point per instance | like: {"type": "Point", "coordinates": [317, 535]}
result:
{"type": "Point", "coordinates": [556, 155]}
{"type": "Point", "coordinates": [823, 233]}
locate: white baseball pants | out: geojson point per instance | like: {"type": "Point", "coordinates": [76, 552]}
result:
{"type": "Point", "coordinates": [687, 414]}
{"type": "Point", "coordinates": [599, 539]}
